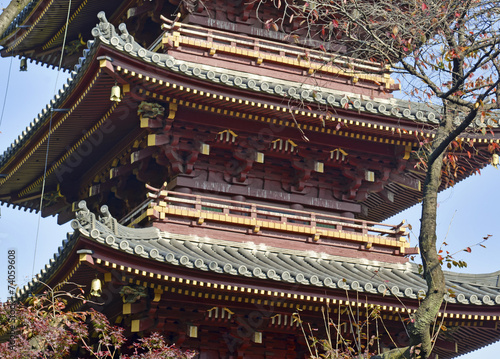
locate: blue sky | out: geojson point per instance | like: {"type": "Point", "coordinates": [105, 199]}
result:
{"type": "Point", "coordinates": [467, 212]}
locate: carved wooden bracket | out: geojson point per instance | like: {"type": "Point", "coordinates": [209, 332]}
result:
{"type": "Point", "coordinates": [246, 157]}
{"type": "Point", "coordinates": [182, 155]}
{"type": "Point", "coordinates": [356, 176]}
{"type": "Point", "coordinates": [245, 152]}
{"type": "Point", "coordinates": [152, 115]}
{"type": "Point", "coordinates": [374, 182]}
{"type": "Point", "coordinates": [303, 169]}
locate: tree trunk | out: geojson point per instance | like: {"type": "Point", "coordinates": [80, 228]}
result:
{"type": "Point", "coordinates": [426, 314]}
{"type": "Point", "coordinates": [10, 13]}
{"type": "Point", "coordinates": [423, 319]}
{"type": "Point", "coordinates": [433, 274]}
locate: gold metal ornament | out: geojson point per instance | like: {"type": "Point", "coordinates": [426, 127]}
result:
{"type": "Point", "coordinates": [23, 65]}
{"type": "Point", "coordinates": [96, 287]}
{"type": "Point", "coordinates": [115, 93]}
{"type": "Point", "coordinates": [495, 160]}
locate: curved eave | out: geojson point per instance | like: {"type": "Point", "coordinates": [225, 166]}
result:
{"type": "Point", "coordinates": [159, 76]}
{"type": "Point", "coordinates": [154, 258]}
{"type": "Point", "coordinates": [150, 250]}
{"type": "Point", "coordinates": [74, 115]}
{"type": "Point", "coordinates": [391, 117]}
{"type": "Point", "coordinates": [84, 255]}
{"type": "Point", "coordinates": [312, 269]}
{"type": "Point", "coordinates": [395, 118]}
{"type": "Point", "coordinates": [37, 33]}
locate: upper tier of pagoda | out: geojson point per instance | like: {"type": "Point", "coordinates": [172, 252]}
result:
{"type": "Point", "coordinates": [227, 115]}
{"type": "Point", "coordinates": [40, 31]}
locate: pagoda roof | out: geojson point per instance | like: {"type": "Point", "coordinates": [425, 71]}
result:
{"type": "Point", "coordinates": [40, 14]}
{"type": "Point", "coordinates": [310, 276]}
{"type": "Point", "coordinates": [380, 117]}
{"type": "Point", "coordinates": [257, 261]}
{"type": "Point", "coordinates": [38, 30]}
{"type": "Point", "coordinates": [391, 108]}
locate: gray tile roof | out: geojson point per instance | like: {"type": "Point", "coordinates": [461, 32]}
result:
{"type": "Point", "coordinates": [124, 42]}
{"type": "Point", "coordinates": [249, 260]}
{"type": "Point", "coordinates": [121, 40]}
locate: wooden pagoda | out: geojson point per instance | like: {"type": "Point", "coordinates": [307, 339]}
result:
{"type": "Point", "coordinates": [232, 180]}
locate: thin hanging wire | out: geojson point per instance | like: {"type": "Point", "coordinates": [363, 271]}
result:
{"type": "Point", "coordinates": [6, 91]}
{"type": "Point", "coordinates": [48, 140]}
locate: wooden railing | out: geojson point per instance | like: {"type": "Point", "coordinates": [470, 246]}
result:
{"type": "Point", "coordinates": [215, 41]}
{"type": "Point", "coordinates": [264, 218]}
